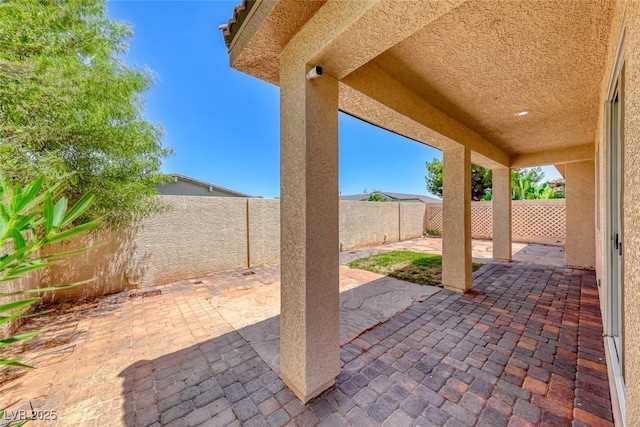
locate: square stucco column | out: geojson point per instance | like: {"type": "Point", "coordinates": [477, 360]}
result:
{"type": "Point", "coordinates": [456, 216]}
{"type": "Point", "coordinates": [501, 208]}
{"type": "Point", "coordinates": [580, 248]}
{"type": "Point", "coordinates": [310, 317]}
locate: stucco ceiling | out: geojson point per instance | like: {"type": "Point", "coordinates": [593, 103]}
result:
{"type": "Point", "coordinates": [487, 60]}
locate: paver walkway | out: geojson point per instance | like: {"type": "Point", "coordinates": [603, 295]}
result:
{"type": "Point", "coordinates": [524, 346]}
{"type": "Point", "coordinates": [253, 309]}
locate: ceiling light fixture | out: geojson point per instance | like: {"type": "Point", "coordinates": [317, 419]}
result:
{"type": "Point", "coordinates": [522, 113]}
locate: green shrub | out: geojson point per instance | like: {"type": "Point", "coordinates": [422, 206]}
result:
{"type": "Point", "coordinates": [377, 197]}
{"type": "Point", "coordinates": [29, 221]}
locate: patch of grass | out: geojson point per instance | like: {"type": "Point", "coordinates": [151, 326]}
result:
{"type": "Point", "coordinates": [415, 267]}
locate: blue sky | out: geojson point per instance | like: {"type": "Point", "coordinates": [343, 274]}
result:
{"type": "Point", "coordinates": [224, 125]}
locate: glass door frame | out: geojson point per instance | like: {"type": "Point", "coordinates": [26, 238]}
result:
{"type": "Point", "coordinates": [614, 232]}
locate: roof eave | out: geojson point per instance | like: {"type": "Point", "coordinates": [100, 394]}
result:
{"type": "Point", "coordinates": [241, 13]}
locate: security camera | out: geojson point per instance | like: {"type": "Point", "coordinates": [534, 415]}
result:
{"type": "Point", "coordinates": [314, 73]}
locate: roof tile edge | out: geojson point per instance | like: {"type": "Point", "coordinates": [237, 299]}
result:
{"type": "Point", "coordinates": [240, 13]}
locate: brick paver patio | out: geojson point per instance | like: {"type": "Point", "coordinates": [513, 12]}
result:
{"type": "Point", "coordinates": [481, 250]}
{"type": "Point", "coordinates": [524, 347]}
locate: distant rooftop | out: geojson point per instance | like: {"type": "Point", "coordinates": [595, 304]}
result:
{"type": "Point", "coordinates": [394, 197]}
{"type": "Point", "coordinates": [204, 188]}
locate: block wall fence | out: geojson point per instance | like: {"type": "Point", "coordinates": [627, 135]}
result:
{"type": "Point", "coordinates": [202, 235]}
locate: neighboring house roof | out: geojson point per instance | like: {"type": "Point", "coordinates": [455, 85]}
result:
{"type": "Point", "coordinates": [558, 182]}
{"type": "Point", "coordinates": [356, 197]}
{"type": "Point", "coordinates": [210, 187]}
{"type": "Point", "coordinates": [397, 197]}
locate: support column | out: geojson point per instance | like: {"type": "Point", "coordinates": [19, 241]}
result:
{"type": "Point", "coordinates": [310, 318]}
{"type": "Point", "coordinates": [456, 233]}
{"type": "Point", "coordinates": [501, 208]}
{"type": "Point", "coordinates": [580, 250]}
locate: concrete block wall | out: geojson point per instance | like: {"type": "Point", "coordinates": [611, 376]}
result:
{"type": "Point", "coordinates": [30, 281]}
{"type": "Point", "coordinates": [203, 235]}
{"type": "Point", "coordinates": [413, 220]}
{"type": "Point", "coordinates": [199, 235]}
{"type": "Point", "coordinates": [369, 223]}
{"type": "Point", "coordinates": [196, 236]}
{"type": "Point", "coordinates": [264, 231]}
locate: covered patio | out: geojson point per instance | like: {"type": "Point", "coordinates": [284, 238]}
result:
{"type": "Point", "coordinates": [523, 347]}
{"type": "Point", "coordinates": [501, 84]}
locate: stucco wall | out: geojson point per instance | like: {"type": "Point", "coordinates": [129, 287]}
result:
{"type": "Point", "coordinates": [264, 231]}
{"type": "Point", "coordinates": [368, 223]}
{"type": "Point", "coordinates": [29, 281]}
{"type": "Point", "coordinates": [110, 262]}
{"type": "Point", "coordinates": [614, 37]}
{"type": "Point", "coordinates": [626, 13]}
{"type": "Point", "coordinates": [580, 189]}
{"type": "Point", "coordinates": [198, 235]}
{"type": "Point", "coordinates": [201, 235]}
{"type": "Point", "coordinates": [632, 211]}
{"type": "Point", "coordinates": [412, 220]}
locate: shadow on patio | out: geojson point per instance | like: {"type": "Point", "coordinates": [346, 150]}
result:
{"type": "Point", "coordinates": [524, 347]}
